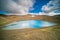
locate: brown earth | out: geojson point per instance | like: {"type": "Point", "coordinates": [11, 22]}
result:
{"type": "Point", "coordinates": [50, 33]}
{"type": "Point", "coordinates": [4, 19]}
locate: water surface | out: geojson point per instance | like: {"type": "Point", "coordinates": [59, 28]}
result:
{"type": "Point", "coordinates": [28, 24]}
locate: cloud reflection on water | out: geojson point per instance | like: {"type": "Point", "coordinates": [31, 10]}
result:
{"type": "Point", "coordinates": [28, 24]}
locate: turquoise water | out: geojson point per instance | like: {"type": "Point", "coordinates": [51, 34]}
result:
{"type": "Point", "coordinates": [28, 24]}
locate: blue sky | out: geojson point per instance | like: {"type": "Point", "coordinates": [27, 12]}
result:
{"type": "Point", "coordinates": [30, 6]}
{"type": "Point", "coordinates": [3, 12]}
{"type": "Point", "coordinates": [38, 5]}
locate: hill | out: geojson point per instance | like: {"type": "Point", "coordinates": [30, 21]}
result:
{"type": "Point", "coordinates": [5, 19]}
{"type": "Point", "coordinates": [49, 33]}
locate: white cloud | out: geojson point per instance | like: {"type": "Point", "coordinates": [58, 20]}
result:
{"type": "Point", "coordinates": [50, 7]}
{"type": "Point", "coordinates": [21, 7]}
{"type": "Point", "coordinates": [49, 14]}
{"type": "Point", "coordinates": [16, 6]}
{"type": "Point", "coordinates": [53, 13]}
